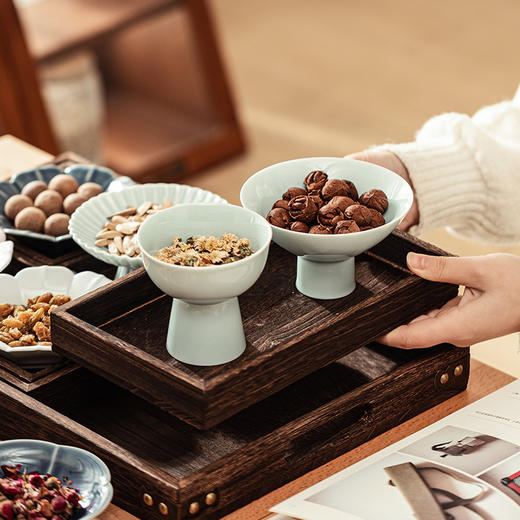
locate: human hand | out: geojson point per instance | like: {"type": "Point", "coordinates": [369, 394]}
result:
{"type": "Point", "coordinates": [489, 307]}
{"type": "Point", "coordinates": [392, 162]}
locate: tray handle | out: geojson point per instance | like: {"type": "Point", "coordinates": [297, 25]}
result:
{"type": "Point", "coordinates": [351, 423]}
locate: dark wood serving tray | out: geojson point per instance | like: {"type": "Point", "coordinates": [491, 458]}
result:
{"type": "Point", "coordinates": [119, 331]}
{"type": "Point", "coordinates": [150, 452]}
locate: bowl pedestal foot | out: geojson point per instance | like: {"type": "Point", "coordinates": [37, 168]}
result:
{"type": "Point", "coordinates": [325, 280]}
{"type": "Point", "coordinates": [205, 334]}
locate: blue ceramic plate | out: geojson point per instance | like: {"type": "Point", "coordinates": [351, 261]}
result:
{"type": "Point", "coordinates": [88, 473]}
{"type": "Point", "coordinates": [82, 174]}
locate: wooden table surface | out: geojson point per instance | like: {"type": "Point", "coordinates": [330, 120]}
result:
{"type": "Point", "coordinates": [18, 156]}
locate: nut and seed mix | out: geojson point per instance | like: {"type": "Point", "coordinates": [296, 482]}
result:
{"type": "Point", "coordinates": [119, 234]}
{"type": "Point", "coordinates": [29, 325]}
{"type": "Point", "coordinates": [203, 251]}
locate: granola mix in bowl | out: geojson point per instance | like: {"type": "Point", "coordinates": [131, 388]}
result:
{"type": "Point", "coordinates": [203, 251]}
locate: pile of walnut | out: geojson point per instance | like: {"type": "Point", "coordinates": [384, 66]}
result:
{"type": "Point", "coordinates": [328, 206]}
{"type": "Point", "coordinates": [29, 325]}
{"type": "Point", "coordinates": [119, 234]}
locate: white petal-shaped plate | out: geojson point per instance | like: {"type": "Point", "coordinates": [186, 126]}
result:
{"type": "Point", "coordinates": [34, 281]}
{"type": "Point", "coordinates": [91, 216]}
{"type": "Point", "coordinates": [6, 253]}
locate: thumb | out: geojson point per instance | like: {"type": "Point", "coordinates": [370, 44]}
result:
{"type": "Point", "coordinates": [457, 270]}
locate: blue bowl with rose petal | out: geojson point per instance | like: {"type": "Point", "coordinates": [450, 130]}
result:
{"type": "Point", "coordinates": [88, 473]}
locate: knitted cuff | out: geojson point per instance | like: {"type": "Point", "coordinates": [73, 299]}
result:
{"type": "Point", "coordinates": [447, 183]}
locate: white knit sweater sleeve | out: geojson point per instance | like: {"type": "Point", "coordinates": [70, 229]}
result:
{"type": "Point", "coordinates": [466, 172]}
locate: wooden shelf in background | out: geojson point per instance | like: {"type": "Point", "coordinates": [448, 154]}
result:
{"type": "Point", "coordinates": [87, 21]}
{"type": "Point", "coordinates": [144, 137]}
{"type": "Point", "coordinates": [168, 105]}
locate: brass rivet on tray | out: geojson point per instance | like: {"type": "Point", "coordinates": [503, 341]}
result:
{"type": "Point", "coordinates": [211, 499]}
{"type": "Point", "coordinates": [458, 370]}
{"type": "Point", "coordinates": [444, 378]}
{"type": "Point", "coordinates": [147, 499]}
{"type": "Point", "coordinates": [194, 508]}
{"type": "Point", "coordinates": [163, 508]}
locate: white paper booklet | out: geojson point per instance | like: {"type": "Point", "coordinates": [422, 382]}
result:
{"type": "Point", "coordinates": [464, 467]}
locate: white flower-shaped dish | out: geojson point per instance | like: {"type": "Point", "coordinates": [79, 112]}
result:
{"type": "Point", "coordinates": [34, 281]}
{"type": "Point", "coordinates": [91, 216]}
{"type": "Point", "coordinates": [6, 251]}
{"type": "Point", "coordinates": [81, 172]}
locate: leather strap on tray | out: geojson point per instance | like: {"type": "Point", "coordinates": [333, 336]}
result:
{"type": "Point", "coordinates": [417, 493]}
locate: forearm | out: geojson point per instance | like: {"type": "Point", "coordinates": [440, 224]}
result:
{"type": "Point", "coordinates": [466, 172]}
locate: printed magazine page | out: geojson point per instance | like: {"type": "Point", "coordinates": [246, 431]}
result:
{"type": "Point", "coordinates": [463, 467]}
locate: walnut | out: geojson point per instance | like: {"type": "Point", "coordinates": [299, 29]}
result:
{"type": "Point", "coordinates": [315, 181]}
{"type": "Point", "coordinates": [377, 218]}
{"type": "Point", "coordinates": [342, 202]}
{"type": "Point", "coordinates": [341, 187]}
{"type": "Point", "coordinates": [346, 226]}
{"type": "Point", "coordinates": [279, 217]}
{"type": "Point", "coordinates": [360, 214]}
{"type": "Point", "coordinates": [317, 200]}
{"type": "Point", "coordinates": [320, 230]}
{"type": "Point", "coordinates": [301, 227]}
{"type": "Point", "coordinates": [294, 192]}
{"type": "Point", "coordinates": [284, 204]}
{"type": "Point", "coordinates": [375, 199]}
{"type": "Point", "coordinates": [303, 208]}
{"type": "Point", "coordinates": [330, 215]}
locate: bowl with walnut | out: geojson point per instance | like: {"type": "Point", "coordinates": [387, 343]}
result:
{"type": "Point", "coordinates": [326, 211]}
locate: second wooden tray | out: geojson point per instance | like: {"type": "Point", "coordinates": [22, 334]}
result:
{"type": "Point", "coordinates": [119, 331]}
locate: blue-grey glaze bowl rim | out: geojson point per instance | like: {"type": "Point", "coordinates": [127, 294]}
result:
{"type": "Point", "coordinates": [91, 514]}
{"type": "Point", "coordinates": [17, 182]}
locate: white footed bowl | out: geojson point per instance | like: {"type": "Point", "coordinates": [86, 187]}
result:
{"type": "Point", "coordinates": [34, 281]}
{"type": "Point", "coordinates": [91, 216]}
{"type": "Point", "coordinates": [205, 324]}
{"type": "Point", "coordinates": [326, 262]}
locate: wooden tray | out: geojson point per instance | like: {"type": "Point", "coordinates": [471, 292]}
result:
{"type": "Point", "coordinates": [55, 383]}
{"type": "Point", "coordinates": [74, 258]}
{"type": "Point", "coordinates": [157, 458]}
{"type": "Point", "coordinates": [119, 332]}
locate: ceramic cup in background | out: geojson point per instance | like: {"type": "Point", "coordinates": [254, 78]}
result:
{"type": "Point", "coordinates": [205, 324]}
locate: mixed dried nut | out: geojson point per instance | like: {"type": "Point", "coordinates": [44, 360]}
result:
{"type": "Point", "coordinates": [36, 496]}
{"type": "Point", "coordinates": [203, 251]}
{"type": "Point", "coordinates": [29, 325]}
{"type": "Point", "coordinates": [119, 234]}
{"type": "Point", "coordinates": [328, 206]}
